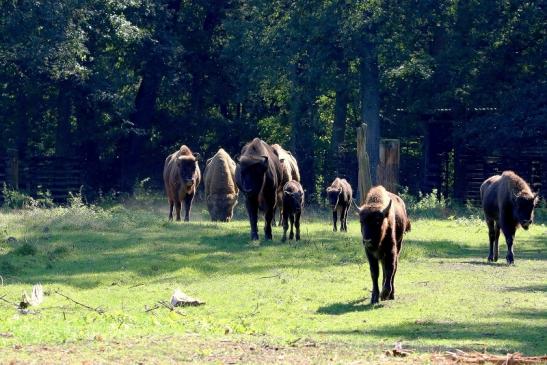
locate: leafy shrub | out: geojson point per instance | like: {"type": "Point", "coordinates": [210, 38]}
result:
{"type": "Point", "coordinates": [16, 199]}
{"type": "Point", "coordinates": [432, 205]}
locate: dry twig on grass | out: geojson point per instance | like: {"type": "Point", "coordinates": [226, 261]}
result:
{"type": "Point", "coordinates": [98, 309]}
{"type": "Point", "coordinates": [474, 357]}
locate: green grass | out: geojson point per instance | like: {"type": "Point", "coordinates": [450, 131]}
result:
{"type": "Point", "coordinates": [125, 258]}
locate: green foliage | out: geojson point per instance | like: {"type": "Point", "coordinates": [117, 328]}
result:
{"type": "Point", "coordinates": [26, 249]}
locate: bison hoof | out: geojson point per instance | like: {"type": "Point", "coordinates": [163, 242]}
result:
{"type": "Point", "coordinates": [374, 298]}
{"type": "Point", "coordinates": [298, 237]}
{"type": "Point", "coordinates": [385, 295]}
{"type": "Point", "coordinates": [291, 236]}
{"type": "Point", "coordinates": [334, 229]}
{"type": "Point", "coordinates": [254, 236]}
{"type": "Point", "coordinates": [495, 259]}
{"type": "Point", "coordinates": [490, 259]}
{"type": "Point", "coordinates": [510, 260]}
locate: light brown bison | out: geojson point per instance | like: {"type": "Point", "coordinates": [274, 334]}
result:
{"type": "Point", "coordinates": [293, 203]}
{"type": "Point", "coordinates": [221, 191]}
{"type": "Point", "coordinates": [383, 222]}
{"type": "Point", "coordinates": [340, 195]}
{"type": "Point", "coordinates": [258, 175]}
{"type": "Point", "coordinates": [181, 176]}
{"type": "Point", "coordinates": [508, 202]}
{"type": "Point", "coordinates": [290, 172]}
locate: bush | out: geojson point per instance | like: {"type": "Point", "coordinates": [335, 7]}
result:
{"type": "Point", "coordinates": [432, 205]}
{"type": "Point", "coordinates": [16, 199]}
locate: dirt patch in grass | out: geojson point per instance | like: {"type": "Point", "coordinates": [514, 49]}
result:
{"type": "Point", "coordinates": [194, 349]}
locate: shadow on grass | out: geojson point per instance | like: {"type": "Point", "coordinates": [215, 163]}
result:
{"type": "Point", "coordinates": [530, 339]}
{"type": "Point", "coordinates": [529, 288]}
{"type": "Point", "coordinates": [359, 305]}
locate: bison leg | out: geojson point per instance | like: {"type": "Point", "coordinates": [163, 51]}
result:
{"type": "Point", "coordinates": [291, 217]}
{"type": "Point", "coordinates": [374, 271]}
{"type": "Point", "coordinates": [178, 206]}
{"type": "Point", "coordinates": [334, 219]}
{"type": "Point", "coordinates": [297, 225]}
{"type": "Point", "coordinates": [171, 206]}
{"type": "Point", "coordinates": [187, 206]}
{"type": "Point", "coordinates": [252, 210]}
{"type": "Point", "coordinates": [285, 227]}
{"type": "Point", "coordinates": [268, 224]}
{"type": "Point", "coordinates": [345, 218]}
{"type": "Point", "coordinates": [388, 265]}
{"type": "Point", "coordinates": [392, 294]}
{"type": "Point", "coordinates": [491, 238]}
{"type": "Point", "coordinates": [496, 241]}
{"type": "Point", "coordinates": [509, 233]}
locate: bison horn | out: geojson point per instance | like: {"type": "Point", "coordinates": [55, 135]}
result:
{"type": "Point", "coordinates": [265, 162]}
{"type": "Point", "coordinates": [196, 156]}
{"type": "Point", "coordinates": [386, 210]}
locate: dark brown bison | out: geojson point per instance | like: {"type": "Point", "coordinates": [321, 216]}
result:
{"type": "Point", "coordinates": [508, 202]}
{"type": "Point", "coordinates": [290, 172]}
{"type": "Point", "coordinates": [293, 202]}
{"type": "Point", "coordinates": [181, 176]}
{"type": "Point", "coordinates": [258, 175]}
{"type": "Point", "coordinates": [339, 194]}
{"type": "Point", "coordinates": [221, 191]}
{"type": "Point", "coordinates": [383, 222]}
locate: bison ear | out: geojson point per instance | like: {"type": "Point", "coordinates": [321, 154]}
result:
{"type": "Point", "coordinates": [386, 210]}
{"type": "Point", "coordinates": [265, 161]}
{"type": "Point", "coordinates": [197, 156]}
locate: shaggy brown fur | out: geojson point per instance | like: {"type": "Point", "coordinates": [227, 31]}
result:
{"type": "Point", "coordinates": [340, 194]}
{"type": "Point", "coordinates": [290, 172]}
{"type": "Point", "coordinates": [258, 176]}
{"type": "Point", "coordinates": [181, 176]}
{"type": "Point", "coordinates": [508, 202]}
{"type": "Point", "coordinates": [293, 203]}
{"type": "Point", "coordinates": [221, 191]}
{"type": "Point", "coordinates": [383, 222]}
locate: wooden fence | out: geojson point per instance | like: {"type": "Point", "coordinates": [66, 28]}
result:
{"type": "Point", "coordinates": [57, 175]}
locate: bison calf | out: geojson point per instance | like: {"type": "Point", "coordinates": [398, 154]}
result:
{"type": "Point", "coordinates": [383, 222]}
{"type": "Point", "coordinates": [508, 202]}
{"type": "Point", "coordinates": [339, 194]}
{"type": "Point", "coordinates": [181, 176]}
{"type": "Point", "coordinates": [293, 202]}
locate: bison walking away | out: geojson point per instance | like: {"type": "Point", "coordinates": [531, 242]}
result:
{"type": "Point", "coordinates": [508, 202]}
{"type": "Point", "coordinates": [258, 176]}
{"type": "Point", "coordinates": [181, 176]}
{"type": "Point", "coordinates": [220, 186]}
{"type": "Point", "coordinates": [293, 202]}
{"type": "Point", "coordinates": [290, 172]}
{"type": "Point", "coordinates": [383, 222]}
{"type": "Point", "coordinates": [339, 194]}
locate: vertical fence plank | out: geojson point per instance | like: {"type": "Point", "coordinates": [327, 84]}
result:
{"type": "Point", "coordinates": [364, 179]}
{"type": "Point", "coordinates": [388, 168]}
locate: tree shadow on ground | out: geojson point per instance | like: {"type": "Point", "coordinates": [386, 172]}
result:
{"type": "Point", "coordinates": [359, 305]}
{"type": "Point", "coordinates": [530, 339]}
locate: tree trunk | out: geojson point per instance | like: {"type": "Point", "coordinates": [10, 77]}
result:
{"type": "Point", "coordinates": [63, 135]}
{"type": "Point", "coordinates": [370, 108]}
{"type": "Point", "coordinates": [364, 180]}
{"type": "Point", "coordinates": [340, 114]}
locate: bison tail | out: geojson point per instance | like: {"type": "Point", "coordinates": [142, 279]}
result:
{"type": "Point", "coordinates": [408, 226]}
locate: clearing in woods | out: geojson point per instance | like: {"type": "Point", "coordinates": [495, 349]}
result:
{"type": "Point", "coordinates": [266, 302]}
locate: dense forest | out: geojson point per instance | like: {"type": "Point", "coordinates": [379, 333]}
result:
{"type": "Point", "coordinates": [121, 84]}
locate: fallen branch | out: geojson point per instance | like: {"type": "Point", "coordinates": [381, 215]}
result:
{"type": "Point", "coordinates": [462, 357]}
{"type": "Point", "coordinates": [7, 301]}
{"type": "Point", "coordinates": [136, 285]}
{"type": "Point", "coordinates": [98, 309]}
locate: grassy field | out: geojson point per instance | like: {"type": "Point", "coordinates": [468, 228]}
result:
{"type": "Point", "coordinates": [304, 302]}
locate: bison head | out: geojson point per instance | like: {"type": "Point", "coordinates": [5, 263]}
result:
{"type": "Point", "coordinates": [373, 224]}
{"type": "Point", "coordinates": [333, 195]}
{"type": "Point", "coordinates": [523, 209]}
{"type": "Point", "coordinates": [251, 174]}
{"type": "Point", "coordinates": [187, 169]}
{"type": "Point", "coordinates": [294, 200]}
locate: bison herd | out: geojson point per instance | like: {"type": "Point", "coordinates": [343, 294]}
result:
{"type": "Point", "coordinates": [269, 177]}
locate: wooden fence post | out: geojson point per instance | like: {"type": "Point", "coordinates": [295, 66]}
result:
{"type": "Point", "coordinates": [12, 168]}
{"type": "Point", "coordinates": [364, 179]}
{"type": "Point", "coordinates": [388, 168]}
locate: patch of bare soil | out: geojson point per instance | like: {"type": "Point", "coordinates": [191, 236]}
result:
{"type": "Point", "coordinates": [193, 349]}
